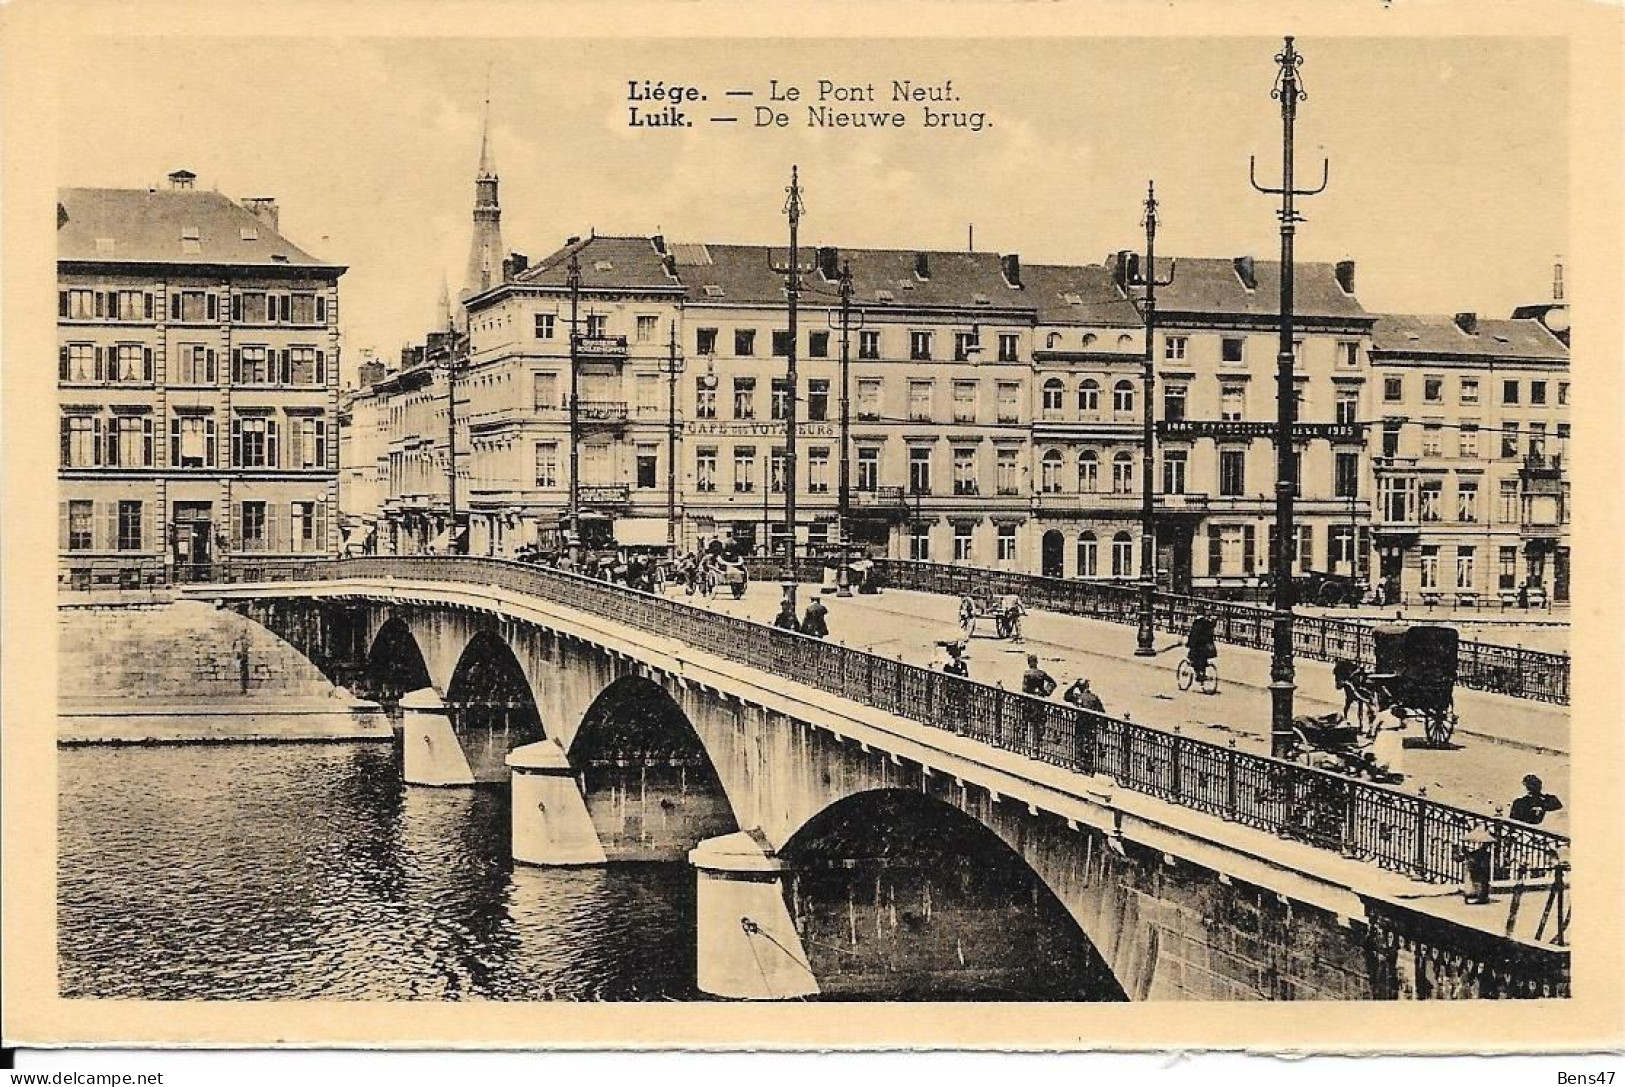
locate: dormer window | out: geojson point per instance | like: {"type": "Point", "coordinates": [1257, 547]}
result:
{"type": "Point", "coordinates": [191, 242]}
{"type": "Point", "coordinates": [249, 234]}
{"type": "Point", "coordinates": [885, 296]}
{"type": "Point", "coordinates": [603, 266]}
{"type": "Point", "coordinates": [713, 291]}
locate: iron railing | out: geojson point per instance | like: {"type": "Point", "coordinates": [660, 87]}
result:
{"type": "Point", "coordinates": [1484, 666]}
{"type": "Point", "coordinates": [1421, 838]}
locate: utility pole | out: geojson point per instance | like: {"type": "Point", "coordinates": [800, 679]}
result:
{"type": "Point", "coordinates": [1146, 628]}
{"type": "Point", "coordinates": [451, 436]}
{"type": "Point", "coordinates": [574, 282]}
{"type": "Point", "coordinates": [671, 439]}
{"type": "Point", "coordinates": [1288, 91]}
{"type": "Point", "coordinates": [844, 490]}
{"type": "Point", "coordinates": [792, 288]}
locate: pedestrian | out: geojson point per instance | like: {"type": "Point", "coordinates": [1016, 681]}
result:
{"type": "Point", "coordinates": [1533, 805]}
{"type": "Point", "coordinates": [786, 619]}
{"type": "Point", "coordinates": [1010, 613]}
{"type": "Point", "coordinates": [1388, 742]}
{"type": "Point", "coordinates": [957, 665]}
{"type": "Point", "coordinates": [1082, 697]}
{"type": "Point", "coordinates": [736, 580]}
{"type": "Point", "coordinates": [815, 624]}
{"type": "Point", "coordinates": [1035, 680]}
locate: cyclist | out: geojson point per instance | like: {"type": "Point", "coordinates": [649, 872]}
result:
{"type": "Point", "coordinates": [1010, 613]}
{"type": "Point", "coordinates": [1199, 645]}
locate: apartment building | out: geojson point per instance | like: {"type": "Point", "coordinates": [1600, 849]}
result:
{"type": "Point", "coordinates": [197, 382]}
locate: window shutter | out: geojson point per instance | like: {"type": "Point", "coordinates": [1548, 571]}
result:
{"type": "Point", "coordinates": [208, 443]}
{"type": "Point", "coordinates": [62, 526]}
{"type": "Point", "coordinates": [109, 523]}
{"type": "Point", "coordinates": [99, 354]}
{"type": "Point", "coordinates": [62, 304]}
{"type": "Point", "coordinates": [321, 443]}
{"type": "Point", "coordinates": [1249, 543]}
{"type": "Point", "coordinates": [147, 450]}
{"type": "Point", "coordinates": [146, 308]}
{"type": "Point", "coordinates": [213, 305]}
{"type": "Point", "coordinates": [1307, 559]}
{"type": "Point", "coordinates": [236, 366]}
{"type": "Point", "coordinates": [321, 367]}
{"type": "Point", "coordinates": [321, 309]}
{"type": "Point", "coordinates": [1215, 550]}
{"type": "Point", "coordinates": [236, 307]}
{"type": "Point", "coordinates": [96, 441]}
{"type": "Point", "coordinates": [174, 441]}
{"type": "Point", "coordinates": [62, 363]}
{"type": "Point", "coordinates": [111, 457]}
{"type": "Point", "coordinates": [296, 444]}
{"type": "Point", "coordinates": [101, 304]}
{"type": "Point", "coordinates": [273, 528]}
{"type": "Point", "coordinates": [284, 366]}
{"type": "Point", "coordinates": [236, 526]}
{"type": "Point", "coordinates": [1362, 554]}
{"type": "Point", "coordinates": [321, 526]}
{"type": "Point", "coordinates": [272, 460]}
{"type": "Point", "coordinates": [146, 363]}
{"type": "Point", "coordinates": [67, 441]}
{"type": "Point", "coordinates": [175, 306]}
{"type": "Point", "coordinates": [209, 366]}
{"type": "Point", "coordinates": [237, 442]}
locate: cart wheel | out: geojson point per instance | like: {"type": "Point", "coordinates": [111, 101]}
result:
{"type": "Point", "coordinates": [1330, 595]}
{"type": "Point", "coordinates": [1439, 726]}
{"type": "Point", "coordinates": [1185, 674]}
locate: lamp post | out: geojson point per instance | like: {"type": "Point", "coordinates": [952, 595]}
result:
{"type": "Point", "coordinates": [452, 544]}
{"type": "Point", "coordinates": [791, 271]}
{"type": "Point", "coordinates": [673, 367]}
{"type": "Point", "coordinates": [1288, 91]}
{"type": "Point", "coordinates": [573, 515]}
{"type": "Point", "coordinates": [1146, 625]}
{"type": "Point", "coordinates": [843, 499]}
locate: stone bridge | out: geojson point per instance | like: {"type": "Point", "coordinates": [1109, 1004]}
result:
{"type": "Point", "coordinates": [918, 834]}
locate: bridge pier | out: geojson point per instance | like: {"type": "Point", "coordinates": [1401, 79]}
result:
{"type": "Point", "coordinates": [433, 755]}
{"type": "Point", "coordinates": [748, 947]}
{"type": "Point", "coordinates": [551, 826]}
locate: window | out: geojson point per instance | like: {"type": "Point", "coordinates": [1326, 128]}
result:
{"type": "Point", "coordinates": [705, 397]}
{"type": "Point", "coordinates": [1173, 402]}
{"type": "Point", "coordinates": [964, 401]}
{"type": "Point", "coordinates": [1052, 393]}
{"type": "Point", "coordinates": [919, 543]}
{"type": "Point", "coordinates": [194, 365]}
{"type": "Point", "coordinates": [1537, 392]}
{"type": "Point", "coordinates": [647, 463]}
{"type": "Point", "coordinates": [1297, 353]}
{"type": "Point", "coordinates": [81, 525]}
{"type": "Point", "coordinates": [1467, 500]}
{"type": "Point", "coordinates": [1507, 507]}
{"type": "Point", "coordinates": [129, 525]}
{"type": "Point", "coordinates": [1507, 568]}
{"type": "Point", "coordinates": [1122, 555]}
{"type": "Point", "coordinates": [1469, 390]}
{"type": "Point", "coordinates": [1007, 543]}
{"type": "Point", "coordinates": [781, 343]}
{"type": "Point", "coordinates": [868, 468]}
{"type": "Point", "coordinates": [964, 548]}
{"type": "Point", "coordinates": [919, 346]}
{"type": "Point", "coordinates": [304, 309]}
{"type": "Point", "coordinates": [744, 341]}
{"type": "Point", "coordinates": [744, 468]}
{"type": "Point", "coordinates": [1173, 471]}
{"type": "Point", "coordinates": [818, 345]}
{"type": "Point", "coordinates": [1432, 440]}
{"type": "Point", "coordinates": [130, 362]}
{"type": "Point", "coordinates": [1433, 389]}
{"type": "Point", "coordinates": [1088, 472]}
{"type": "Point", "coordinates": [78, 362]}
{"type": "Point", "coordinates": [307, 366]}
{"type": "Point", "coordinates": [1006, 473]}
{"type": "Point", "coordinates": [1049, 472]}
{"type": "Point", "coordinates": [919, 469]}
{"type": "Point", "coordinates": [253, 527]}
{"type": "Point", "coordinates": [1088, 555]}
{"type": "Point", "coordinates": [1563, 392]}
{"type": "Point", "coordinates": [1348, 406]}
{"type": "Point", "coordinates": [192, 307]}
{"type": "Point", "coordinates": [1009, 402]}
{"type": "Point", "coordinates": [253, 442]}
{"type": "Point", "coordinates": [1340, 548]}
{"type": "Point", "coordinates": [1431, 500]}
{"type": "Point", "coordinates": [1430, 566]}
{"type": "Point", "coordinates": [778, 398]}
{"type": "Point", "coordinates": [1173, 347]}
{"type": "Point", "coordinates": [776, 466]}
{"type": "Point", "coordinates": [545, 323]}
{"type": "Point", "coordinates": [965, 470]}
{"type": "Point", "coordinates": [1509, 440]}
{"type": "Point", "coordinates": [818, 400]}
{"type": "Point", "coordinates": [1231, 549]}
{"type": "Point", "coordinates": [1008, 342]}
{"type": "Point", "coordinates": [308, 526]}
{"type": "Point", "coordinates": [597, 325]}
{"type": "Point", "coordinates": [818, 470]}
{"type": "Point", "coordinates": [964, 344]}
{"type": "Point", "coordinates": [77, 304]}
{"type": "Point", "coordinates": [1390, 437]}
{"type": "Point", "coordinates": [1232, 349]}
{"type": "Point", "coordinates": [705, 469]}
{"type": "Point", "coordinates": [1232, 402]}
{"type": "Point", "coordinates": [547, 465]}
{"type": "Point", "coordinates": [130, 442]}
{"type": "Point", "coordinates": [249, 308]}
{"type": "Point", "coordinates": [645, 327]}
{"type": "Point", "coordinates": [869, 399]}
{"type": "Point", "coordinates": [1464, 567]}
{"type": "Point", "coordinates": [1123, 473]}
{"type": "Point", "coordinates": [869, 344]}
{"type": "Point", "coordinates": [1509, 391]}
{"type": "Point", "coordinates": [81, 441]}
{"type": "Point", "coordinates": [1467, 441]}
{"type": "Point", "coordinates": [744, 398]}
{"type": "Point", "coordinates": [1348, 354]}
{"type": "Point", "coordinates": [307, 442]}
{"type": "Point", "coordinates": [919, 401]}
{"type": "Point", "coordinates": [1393, 389]}
{"type": "Point", "coordinates": [1537, 439]}
{"type": "Point", "coordinates": [1088, 395]}
{"type": "Point", "coordinates": [1123, 396]}
{"type": "Point", "coordinates": [251, 366]}
{"type": "Point", "coordinates": [1346, 475]}
{"type": "Point", "coordinates": [1232, 472]}
{"type": "Point", "coordinates": [705, 341]}
{"type": "Point", "coordinates": [191, 441]}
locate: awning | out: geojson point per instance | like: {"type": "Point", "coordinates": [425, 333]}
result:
{"type": "Point", "coordinates": [640, 531]}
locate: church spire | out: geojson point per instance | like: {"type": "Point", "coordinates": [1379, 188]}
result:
{"type": "Point", "coordinates": [488, 167]}
{"type": "Point", "coordinates": [485, 250]}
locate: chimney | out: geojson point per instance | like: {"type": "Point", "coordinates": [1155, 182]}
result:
{"type": "Point", "coordinates": [1125, 269]}
{"type": "Point", "coordinates": [1468, 323]}
{"type": "Point", "coordinates": [264, 209]}
{"type": "Point", "coordinates": [1247, 272]}
{"type": "Point", "coordinates": [182, 179]}
{"type": "Point", "coordinates": [513, 264]}
{"type": "Point", "coordinates": [572, 239]}
{"type": "Point", "coordinates": [669, 262]}
{"type": "Point", "coordinates": [659, 242]}
{"type": "Point", "coordinates": [829, 263]}
{"type": "Point", "coordinates": [1344, 269]}
{"type": "Point", "coordinates": [922, 266]}
{"type": "Point", "coordinates": [1011, 264]}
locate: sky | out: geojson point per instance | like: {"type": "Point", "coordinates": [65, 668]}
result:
{"type": "Point", "coordinates": [1449, 157]}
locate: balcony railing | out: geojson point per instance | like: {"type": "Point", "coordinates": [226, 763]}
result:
{"type": "Point", "coordinates": [611, 412]}
{"type": "Point", "coordinates": [1418, 837]}
{"type": "Point", "coordinates": [1542, 463]}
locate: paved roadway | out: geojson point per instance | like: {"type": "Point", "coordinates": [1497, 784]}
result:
{"type": "Point", "coordinates": [1499, 739]}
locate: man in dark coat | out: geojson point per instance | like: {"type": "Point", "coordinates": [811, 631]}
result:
{"type": "Point", "coordinates": [815, 623]}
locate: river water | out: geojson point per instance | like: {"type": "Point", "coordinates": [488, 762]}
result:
{"type": "Point", "coordinates": [298, 871]}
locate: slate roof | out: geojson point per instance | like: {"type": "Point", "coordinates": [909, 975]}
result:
{"type": "Point", "coordinates": [1523, 338]}
{"type": "Point", "coordinates": [146, 226]}
{"type": "Point", "coordinates": [1212, 285]}
{"type": "Point", "coordinates": [607, 262]}
{"type": "Point", "coordinates": [1078, 294]}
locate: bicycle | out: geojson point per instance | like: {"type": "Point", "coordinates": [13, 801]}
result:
{"type": "Point", "coordinates": [1207, 682]}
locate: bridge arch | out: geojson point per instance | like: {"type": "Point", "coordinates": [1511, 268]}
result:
{"type": "Point", "coordinates": [395, 662]}
{"type": "Point", "coordinates": [493, 709]}
{"type": "Point", "coordinates": [899, 894]}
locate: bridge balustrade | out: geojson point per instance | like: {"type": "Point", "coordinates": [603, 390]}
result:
{"type": "Point", "coordinates": [1418, 837]}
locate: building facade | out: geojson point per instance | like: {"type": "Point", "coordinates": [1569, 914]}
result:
{"type": "Point", "coordinates": [197, 386]}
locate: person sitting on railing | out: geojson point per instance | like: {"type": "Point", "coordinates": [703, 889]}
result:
{"type": "Point", "coordinates": [786, 619]}
{"type": "Point", "coordinates": [815, 623]}
{"type": "Point", "coordinates": [1082, 697]}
